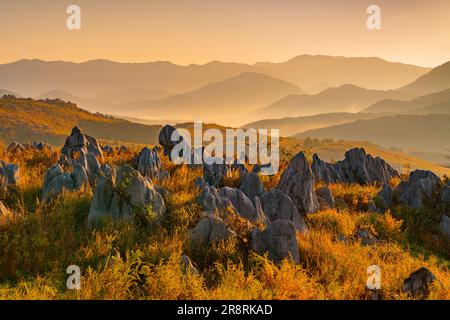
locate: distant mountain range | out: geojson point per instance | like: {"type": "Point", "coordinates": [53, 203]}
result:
{"type": "Point", "coordinates": [346, 98]}
{"type": "Point", "coordinates": [431, 103]}
{"type": "Point", "coordinates": [414, 132]}
{"type": "Point", "coordinates": [87, 79]}
{"type": "Point", "coordinates": [436, 80]}
{"type": "Point", "coordinates": [293, 125]}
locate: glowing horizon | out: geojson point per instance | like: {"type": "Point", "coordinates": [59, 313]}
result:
{"type": "Point", "coordinates": [201, 31]}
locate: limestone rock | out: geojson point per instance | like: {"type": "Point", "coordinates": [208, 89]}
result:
{"type": "Point", "coordinates": [9, 173]}
{"type": "Point", "coordinates": [297, 181]}
{"type": "Point", "coordinates": [214, 173]}
{"type": "Point", "coordinates": [445, 226]}
{"type": "Point", "coordinates": [276, 205]}
{"type": "Point", "coordinates": [421, 185]}
{"type": "Point", "coordinates": [251, 185]}
{"type": "Point", "coordinates": [165, 139]}
{"type": "Point", "coordinates": [385, 197]}
{"type": "Point", "coordinates": [148, 163]}
{"type": "Point", "coordinates": [357, 167]}
{"type": "Point", "coordinates": [125, 195]}
{"type": "Point", "coordinates": [418, 283]}
{"type": "Point", "coordinates": [56, 181]}
{"type": "Point", "coordinates": [78, 142]}
{"type": "Point", "coordinates": [278, 240]}
{"type": "Point", "coordinates": [209, 230]}
{"type": "Point", "coordinates": [326, 194]}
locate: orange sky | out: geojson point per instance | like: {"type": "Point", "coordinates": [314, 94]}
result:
{"type": "Point", "coordinates": [198, 31]}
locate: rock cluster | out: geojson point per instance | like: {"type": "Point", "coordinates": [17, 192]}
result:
{"type": "Point", "coordinates": [357, 167]}
{"type": "Point", "coordinates": [56, 181]}
{"type": "Point", "coordinates": [78, 143]}
{"type": "Point", "coordinates": [124, 195]}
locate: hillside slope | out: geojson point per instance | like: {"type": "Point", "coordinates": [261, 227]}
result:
{"type": "Point", "coordinates": [26, 120]}
{"type": "Point", "coordinates": [436, 80]}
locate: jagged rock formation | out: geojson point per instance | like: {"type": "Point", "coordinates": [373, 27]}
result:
{"type": "Point", "coordinates": [56, 181]}
{"type": "Point", "coordinates": [279, 240]}
{"type": "Point", "coordinates": [148, 163]}
{"type": "Point", "coordinates": [384, 198]}
{"type": "Point", "coordinates": [418, 283]}
{"type": "Point", "coordinates": [251, 185]}
{"type": "Point", "coordinates": [209, 230]}
{"type": "Point", "coordinates": [357, 167]}
{"type": "Point", "coordinates": [79, 143]}
{"type": "Point", "coordinates": [276, 205]}
{"type": "Point", "coordinates": [297, 181]}
{"type": "Point", "coordinates": [421, 185]}
{"type": "Point", "coordinates": [124, 195]}
{"type": "Point", "coordinates": [366, 237]}
{"type": "Point", "coordinates": [325, 197]}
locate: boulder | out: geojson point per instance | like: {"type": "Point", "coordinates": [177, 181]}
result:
{"type": "Point", "coordinates": [209, 230]}
{"type": "Point", "coordinates": [297, 181]}
{"type": "Point", "coordinates": [357, 167]}
{"type": "Point", "coordinates": [148, 163]}
{"type": "Point", "coordinates": [251, 185]}
{"type": "Point", "coordinates": [279, 240]}
{"type": "Point", "coordinates": [243, 205]}
{"type": "Point", "coordinates": [187, 266]}
{"type": "Point", "coordinates": [124, 195]}
{"type": "Point", "coordinates": [165, 139]}
{"type": "Point", "coordinates": [418, 283]}
{"type": "Point", "coordinates": [276, 205]}
{"type": "Point", "coordinates": [9, 173]}
{"type": "Point", "coordinates": [445, 194]}
{"type": "Point", "coordinates": [444, 226]}
{"type": "Point", "coordinates": [366, 237]}
{"type": "Point", "coordinates": [108, 150]}
{"type": "Point", "coordinates": [384, 197]}
{"type": "Point", "coordinates": [421, 185]}
{"type": "Point", "coordinates": [78, 142]}
{"type": "Point", "coordinates": [326, 194]}
{"type": "Point", "coordinates": [214, 173]}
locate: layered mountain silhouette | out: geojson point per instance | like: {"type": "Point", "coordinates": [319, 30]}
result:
{"type": "Point", "coordinates": [312, 72]}
{"type": "Point", "coordinates": [293, 125]}
{"type": "Point", "coordinates": [431, 103]}
{"type": "Point", "coordinates": [415, 132]}
{"type": "Point", "coordinates": [227, 100]}
{"type": "Point", "coordinates": [348, 98]}
{"type": "Point", "coordinates": [436, 80]}
{"type": "Point", "coordinates": [87, 79]}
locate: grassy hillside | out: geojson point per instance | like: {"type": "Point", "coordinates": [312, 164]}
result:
{"type": "Point", "coordinates": [414, 132]}
{"type": "Point", "coordinates": [141, 261]}
{"type": "Point", "coordinates": [26, 120]}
